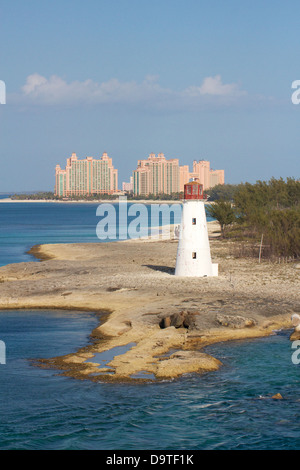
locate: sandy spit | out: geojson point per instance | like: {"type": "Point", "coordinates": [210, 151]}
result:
{"type": "Point", "coordinates": [133, 283]}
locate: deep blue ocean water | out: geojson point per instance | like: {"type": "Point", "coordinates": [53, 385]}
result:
{"type": "Point", "coordinates": [40, 409]}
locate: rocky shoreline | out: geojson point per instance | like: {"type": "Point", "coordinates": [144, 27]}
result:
{"type": "Point", "coordinates": [166, 320]}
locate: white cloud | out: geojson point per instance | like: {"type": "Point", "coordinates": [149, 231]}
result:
{"type": "Point", "coordinates": [40, 90]}
{"type": "Point", "coordinates": [214, 86]}
{"type": "Point", "coordinates": [33, 82]}
{"type": "Point", "coordinates": [55, 90]}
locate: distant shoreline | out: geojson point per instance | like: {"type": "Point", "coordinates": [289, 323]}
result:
{"type": "Point", "coordinates": [142, 201]}
{"type": "Point", "coordinates": [134, 201]}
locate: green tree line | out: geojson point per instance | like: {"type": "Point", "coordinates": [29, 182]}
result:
{"type": "Point", "coordinates": [46, 195]}
{"type": "Point", "coordinates": [269, 209]}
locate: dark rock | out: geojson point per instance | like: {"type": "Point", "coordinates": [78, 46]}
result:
{"type": "Point", "coordinates": [189, 321]}
{"type": "Point", "coordinates": [165, 322]}
{"type": "Point", "coordinates": [178, 320]}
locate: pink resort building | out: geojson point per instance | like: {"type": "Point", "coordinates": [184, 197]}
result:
{"type": "Point", "coordinates": [156, 175]}
{"type": "Point", "coordinates": [128, 187]}
{"type": "Point", "coordinates": [86, 177]}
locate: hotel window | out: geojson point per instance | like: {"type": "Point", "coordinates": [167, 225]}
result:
{"type": "Point", "coordinates": [194, 255]}
{"type": "Point", "coordinates": [193, 221]}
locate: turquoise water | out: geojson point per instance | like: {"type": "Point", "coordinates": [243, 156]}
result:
{"type": "Point", "coordinates": [40, 409]}
{"type": "Point", "coordinates": [23, 225]}
{"type": "Point", "coordinates": [222, 410]}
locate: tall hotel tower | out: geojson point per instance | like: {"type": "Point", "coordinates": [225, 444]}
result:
{"type": "Point", "coordinates": [156, 175]}
{"type": "Point", "coordinates": [86, 177]}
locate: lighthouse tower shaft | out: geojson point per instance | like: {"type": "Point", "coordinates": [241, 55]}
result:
{"type": "Point", "coordinates": [193, 254]}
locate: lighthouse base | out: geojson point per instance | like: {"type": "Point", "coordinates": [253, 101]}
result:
{"type": "Point", "coordinates": [186, 271]}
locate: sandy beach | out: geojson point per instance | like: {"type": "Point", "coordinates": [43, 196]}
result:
{"type": "Point", "coordinates": [132, 284]}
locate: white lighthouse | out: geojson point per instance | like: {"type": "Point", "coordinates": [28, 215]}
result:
{"type": "Point", "coordinates": [193, 254]}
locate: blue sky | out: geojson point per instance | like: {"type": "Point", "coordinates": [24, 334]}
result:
{"type": "Point", "coordinates": [192, 79]}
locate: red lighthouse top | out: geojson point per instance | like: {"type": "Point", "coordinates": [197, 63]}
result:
{"type": "Point", "coordinates": [193, 190]}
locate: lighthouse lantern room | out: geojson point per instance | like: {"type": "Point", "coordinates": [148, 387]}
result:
{"type": "Point", "coordinates": [193, 253]}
